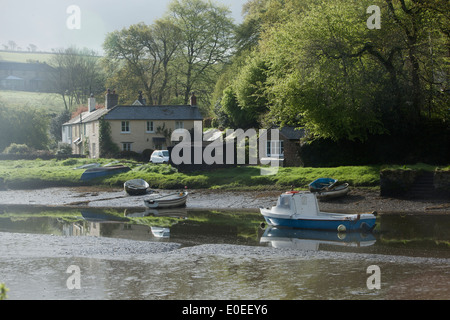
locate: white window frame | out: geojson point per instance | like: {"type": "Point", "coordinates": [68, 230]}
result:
{"type": "Point", "coordinates": [150, 127]}
{"type": "Point", "coordinates": [179, 125]}
{"type": "Point", "coordinates": [126, 146]}
{"type": "Point", "coordinates": [275, 148]}
{"type": "Point", "coordinates": [125, 125]}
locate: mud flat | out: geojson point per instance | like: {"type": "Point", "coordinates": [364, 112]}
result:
{"type": "Point", "coordinates": [358, 200]}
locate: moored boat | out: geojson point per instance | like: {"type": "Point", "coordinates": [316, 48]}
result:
{"type": "Point", "coordinates": [335, 192]}
{"type": "Point", "coordinates": [300, 210]}
{"type": "Point", "coordinates": [168, 201]}
{"type": "Point", "coordinates": [322, 184]}
{"type": "Point", "coordinates": [136, 187]}
{"type": "Point", "coordinates": [103, 171]}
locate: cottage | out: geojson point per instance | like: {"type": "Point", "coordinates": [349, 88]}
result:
{"type": "Point", "coordinates": [134, 127]}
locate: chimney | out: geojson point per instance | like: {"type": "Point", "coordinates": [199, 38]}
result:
{"type": "Point", "coordinates": [111, 99]}
{"type": "Point", "coordinates": [91, 103]}
{"type": "Point", "coordinates": [193, 99]}
{"type": "Point", "coordinates": [141, 98]}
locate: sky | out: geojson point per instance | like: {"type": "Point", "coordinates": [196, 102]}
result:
{"type": "Point", "coordinates": [56, 24]}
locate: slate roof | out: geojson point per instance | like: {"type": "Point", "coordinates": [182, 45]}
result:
{"type": "Point", "coordinates": [292, 133]}
{"type": "Point", "coordinates": [183, 112]}
{"type": "Point", "coordinates": [88, 116]}
{"type": "Point", "coordinates": [180, 112]}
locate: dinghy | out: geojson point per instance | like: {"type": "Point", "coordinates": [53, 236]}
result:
{"type": "Point", "coordinates": [322, 184]}
{"type": "Point", "coordinates": [93, 173]}
{"type": "Point", "coordinates": [136, 187]}
{"type": "Point", "coordinates": [167, 201]}
{"type": "Point", "coordinates": [300, 210]}
{"type": "Point", "coordinates": [335, 192]}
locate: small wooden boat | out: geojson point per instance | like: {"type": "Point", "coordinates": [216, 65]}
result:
{"type": "Point", "coordinates": [322, 184]}
{"type": "Point", "coordinates": [167, 201]}
{"type": "Point", "coordinates": [136, 187]}
{"type": "Point", "coordinates": [93, 173]}
{"type": "Point", "coordinates": [300, 210]}
{"type": "Point", "coordinates": [335, 192]}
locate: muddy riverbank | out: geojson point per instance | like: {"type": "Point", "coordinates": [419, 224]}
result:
{"type": "Point", "coordinates": [358, 200]}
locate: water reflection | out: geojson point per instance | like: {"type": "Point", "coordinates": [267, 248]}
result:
{"type": "Point", "coordinates": [313, 239]}
{"type": "Point", "coordinates": [411, 235]}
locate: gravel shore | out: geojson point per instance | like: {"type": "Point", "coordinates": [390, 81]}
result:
{"type": "Point", "coordinates": [358, 200]}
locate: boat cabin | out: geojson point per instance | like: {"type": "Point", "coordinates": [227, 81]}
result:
{"type": "Point", "coordinates": [293, 202]}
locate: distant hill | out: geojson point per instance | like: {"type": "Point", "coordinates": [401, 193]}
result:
{"type": "Point", "coordinates": [22, 56]}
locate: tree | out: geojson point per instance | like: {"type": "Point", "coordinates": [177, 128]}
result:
{"type": "Point", "coordinates": [23, 126]}
{"type": "Point", "coordinates": [143, 53]}
{"type": "Point", "coordinates": [326, 71]}
{"type": "Point", "coordinates": [207, 42]}
{"type": "Point", "coordinates": [77, 75]}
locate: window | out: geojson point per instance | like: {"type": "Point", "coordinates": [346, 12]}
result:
{"type": "Point", "coordinates": [179, 125]}
{"type": "Point", "coordinates": [150, 126]}
{"type": "Point", "coordinates": [275, 148]}
{"type": "Point", "coordinates": [125, 126]}
{"type": "Point", "coordinates": [126, 146]}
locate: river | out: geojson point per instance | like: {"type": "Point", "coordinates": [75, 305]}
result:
{"type": "Point", "coordinates": [69, 253]}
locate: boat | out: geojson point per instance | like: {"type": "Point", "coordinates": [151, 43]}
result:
{"type": "Point", "coordinates": [300, 210]}
{"type": "Point", "coordinates": [322, 184]}
{"type": "Point", "coordinates": [160, 232]}
{"type": "Point", "coordinates": [136, 187]}
{"type": "Point", "coordinates": [167, 201]}
{"type": "Point", "coordinates": [314, 239]}
{"type": "Point", "coordinates": [335, 192]}
{"type": "Point", "coordinates": [88, 166]}
{"type": "Point", "coordinates": [93, 173]}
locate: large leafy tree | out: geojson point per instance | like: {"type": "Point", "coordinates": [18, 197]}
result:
{"type": "Point", "coordinates": [206, 43]}
{"type": "Point", "coordinates": [139, 57]}
{"type": "Point", "coordinates": [327, 71]}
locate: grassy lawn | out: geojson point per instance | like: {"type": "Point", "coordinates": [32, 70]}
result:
{"type": "Point", "coordinates": [25, 56]}
{"type": "Point", "coordinates": [53, 173]}
{"type": "Point", "coordinates": [45, 101]}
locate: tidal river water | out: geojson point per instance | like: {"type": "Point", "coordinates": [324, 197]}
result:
{"type": "Point", "coordinates": [97, 253]}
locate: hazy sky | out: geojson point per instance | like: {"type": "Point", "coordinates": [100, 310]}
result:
{"type": "Point", "coordinates": [44, 22]}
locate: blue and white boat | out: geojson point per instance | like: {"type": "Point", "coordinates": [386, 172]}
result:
{"type": "Point", "coordinates": [322, 184]}
{"type": "Point", "coordinates": [93, 173]}
{"type": "Point", "coordinates": [300, 210]}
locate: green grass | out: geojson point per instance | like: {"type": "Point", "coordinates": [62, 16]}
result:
{"type": "Point", "coordinates": [25, 56]}
{"type": "Point", "coordinates": [51, 102]}
{"type": "Point", "coordinates": [53, 173]}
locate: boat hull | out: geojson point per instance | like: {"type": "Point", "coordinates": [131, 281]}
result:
{"type": "Point", "coordinates": [363, 222]}
{"type": "Point", "coordinates": [166, 203]}
{"type": "Point", "coordinates": [335, 192]}
{"type": "Point", "coordinates": [103, 171]}
{"type": "Point", "coordinates": [136, 187]}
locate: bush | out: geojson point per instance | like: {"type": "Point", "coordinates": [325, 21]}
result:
{"type": "Point", "coordinates": [64, 149]}
{"type": "Point", "coordinates": [15, 148]}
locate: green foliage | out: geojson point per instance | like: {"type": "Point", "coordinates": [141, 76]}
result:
{"type": "Point", "coordinates": [15, 148]}
{"type": "Point", "coordinates": [107, 146]}
{"type": "Point", "coordinates": [23, 126]}
{"type": "Point", "coordinates": [316, 64]}
{"type": "Point", "coordinates": [3, 291]}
